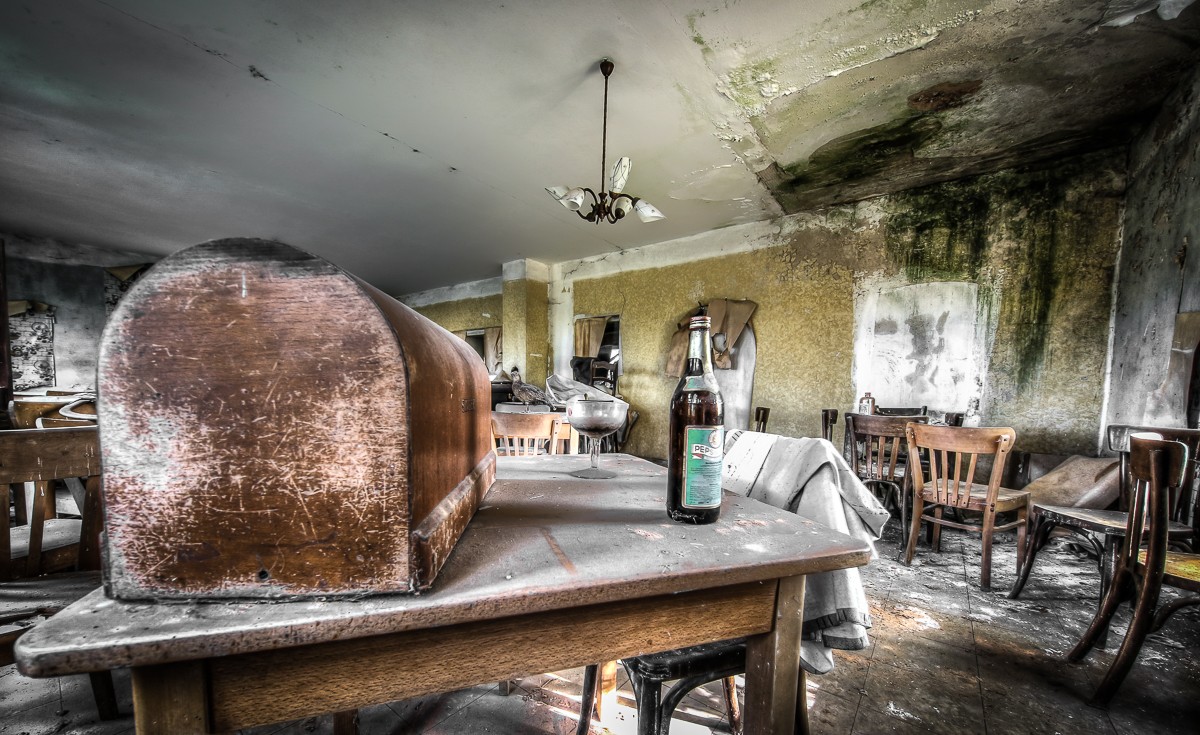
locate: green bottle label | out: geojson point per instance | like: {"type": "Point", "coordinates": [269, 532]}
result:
{"type": "Point", "coordinates": [705, 455]}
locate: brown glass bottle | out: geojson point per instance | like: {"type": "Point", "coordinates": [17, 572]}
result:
{"type": "Point", "coordinates": [696, 435]}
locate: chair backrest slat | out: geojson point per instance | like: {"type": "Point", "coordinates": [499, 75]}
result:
{"type": "Point", "coordinates": [876, 444]}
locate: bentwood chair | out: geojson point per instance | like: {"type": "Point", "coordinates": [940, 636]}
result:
{"type": "Point", "coordinates": [1103, 529]}
{"type": "Point", "coordinates": [47, 543]}
{"type": "Point", "coordinates": [953, 454]}
{"type": "Point", "coordinates": [526, 434]}
{"type": "Point", "coordinates": [1157, 469]}
{"type": "Point", "coordinates": [829, 417]}
{"type": "Point", "coordinates": [879, 457]}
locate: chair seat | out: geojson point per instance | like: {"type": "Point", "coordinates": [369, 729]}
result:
{"type": "Point", "coordinates": [1101, 521]}
{"type": "Point", "coordinates": [1181, 570]}
{"type": "Point", "coordinates": [1005, 499]}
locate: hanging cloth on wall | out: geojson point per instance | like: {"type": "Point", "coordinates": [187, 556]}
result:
{"type": "Point", "coordinates": [493, 350]}
{"type": "Point", "coordinates": [589, 333]}
{"type": "Point", "coordinates": [729, 318]}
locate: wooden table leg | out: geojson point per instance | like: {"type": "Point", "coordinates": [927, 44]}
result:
{"type": "Point", "coordinates": [607, 692]}
{"type": "Point", "coordinates": [170, 699]}
{"type": "Point", "coordinates": [776, 697]}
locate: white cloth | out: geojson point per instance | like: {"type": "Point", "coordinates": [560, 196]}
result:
{"type": "Point", "coordinates": [811, 479]}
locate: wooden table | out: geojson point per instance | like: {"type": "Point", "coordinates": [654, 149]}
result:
{"type": "Point", "coordinates": [553, 572]}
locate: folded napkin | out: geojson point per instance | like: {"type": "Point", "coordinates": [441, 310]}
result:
{"type": "Point", "coordinates": [810, 478]}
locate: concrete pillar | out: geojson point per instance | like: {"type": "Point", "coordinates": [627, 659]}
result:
{"type": "Point", "coordinates": [526, 323]}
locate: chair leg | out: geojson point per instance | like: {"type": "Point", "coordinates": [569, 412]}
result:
{"type": "Point", "coordinates": [732, 707]}
{"type": "Point", "coordinates": [105, 694]}
{"type": "Point", "coordinates": [989, 530]}
{"type": "Point", "coordinates": [1118, 591]}
{"type": "Point", "coordinates": [649, 718]}
{"type": "Point", "coordinates": [1022, 534]}
{"type": "Point", "coordinates": [1034, 542]}
{"type": "Point", "coordinates": [917, 507]}
{"type": "Point", "coordinates": [587, 700]}
{"type": "Point", "coordinates": [935, 541]}
{"type": "Point", "coordinates": [1139, 628]}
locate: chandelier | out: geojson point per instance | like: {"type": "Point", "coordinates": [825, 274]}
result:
{"type": "Point", "coordinates": [612, 205]}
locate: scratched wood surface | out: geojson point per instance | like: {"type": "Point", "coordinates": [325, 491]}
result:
{"type": "Point", "coordinates": [259, 413]}
{"type": "Point", "coordinates": [541, 541]}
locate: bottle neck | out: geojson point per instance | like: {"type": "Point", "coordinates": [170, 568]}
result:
{"type": "Point", "coordinates": [699, 355]}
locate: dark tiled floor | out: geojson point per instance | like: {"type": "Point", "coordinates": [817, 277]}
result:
{"type": "Point", "coordinates": [945, 657]}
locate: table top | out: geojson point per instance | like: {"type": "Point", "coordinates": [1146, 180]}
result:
{"type": "Point", "coordinates": [541, 540]}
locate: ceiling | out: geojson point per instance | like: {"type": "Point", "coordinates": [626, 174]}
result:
{"type": "Point", "coordinates": [410, 141]}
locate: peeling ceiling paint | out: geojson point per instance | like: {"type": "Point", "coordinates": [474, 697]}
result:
{"type": "Point", "coordinates": [410, 141]}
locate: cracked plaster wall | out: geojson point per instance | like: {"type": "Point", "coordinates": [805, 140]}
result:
{"type": "Point", "coordinates": [1160, 266]}
{"type": "Point", "coordinates": [1039, 245]}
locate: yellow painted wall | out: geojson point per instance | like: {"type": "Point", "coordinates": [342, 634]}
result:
{"type": "Point", "coordinates": [457, 316]}
{"type": "Point", "coordinates": [804, 326]}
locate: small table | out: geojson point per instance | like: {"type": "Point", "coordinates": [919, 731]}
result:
{"type": "Point", "coordinates": [553, 572]}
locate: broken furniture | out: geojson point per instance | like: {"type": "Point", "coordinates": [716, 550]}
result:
{"type": "Point", "coordinates": [952, 454]}
{"type": "Point", "coordinates": [526, 434]}
{"type": "Point", "coordinates": [273, 427]}
{"type": "Point", "coordinates": [552, 572]}
{"type": "Point", "coordinates": [879, 456]}
{"type": "Point", "coordinates": [42, 457]}
{"type": "Point", "coordinates": [1093, 486]}
{"type": "Point", "coordinates": [1157, 471]}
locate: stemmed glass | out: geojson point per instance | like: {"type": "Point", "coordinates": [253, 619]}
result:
{"type": "Point", "coordinates": [596, 418]}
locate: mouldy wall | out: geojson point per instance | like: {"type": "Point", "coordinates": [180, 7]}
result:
{"type": "Point", "coordinates": [804, 327]}
{"type": "Point", "coordinates": [1160, 266]}
{"type": "Point", "coordinates": [457, 316]}
{"type": "Point", "coordinates": [1042, 246]}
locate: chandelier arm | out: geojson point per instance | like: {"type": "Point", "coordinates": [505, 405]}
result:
{"type": "Point", "coordinates": [591, 215]}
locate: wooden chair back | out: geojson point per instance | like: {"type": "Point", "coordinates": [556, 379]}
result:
{"type": "Point", "coordinates": [829, 417]}
{"type": "Point", "coordinates": [1157, 469]}
{"type": "Point", "coordinates": [41, 456]}
{"type": "Point", "coordinates": [953, 454]}
{"type": "Point", "coordinates": [762, 415]}
{"type": "Point", "coordinates": [526, 434]}
{"type": "Point", "coordinates": [883, 447]}
{"type": "Point", "coordinates": [1183, 499]}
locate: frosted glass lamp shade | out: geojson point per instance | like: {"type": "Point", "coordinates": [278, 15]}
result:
{"type": "Point", "coordinates": [621, 206]}
{"type": "Point", "coordinates": [647, 212]}
{"type": "Point", "coordinates": [573, 199]}
{"type": "Point", "coordinates": [620, 175]}
{"type": "Point", "coordinates": [558, 192]}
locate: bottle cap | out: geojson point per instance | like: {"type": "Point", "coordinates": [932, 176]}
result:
{"type": "Point", "coordinates": [699, 322]}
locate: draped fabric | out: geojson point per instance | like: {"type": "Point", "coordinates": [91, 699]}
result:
{"type": "Point", "coordinates": [729, 320]}
{"type": "Point", "coordinates": [589, 333]}
{"type": "Point", "coordinates": [810, 478]}
{"type": "Point", "coordinates": [493, 350]}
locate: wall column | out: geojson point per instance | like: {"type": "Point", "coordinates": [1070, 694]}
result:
{"type": "Point", "coordinates": [526, 322]}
